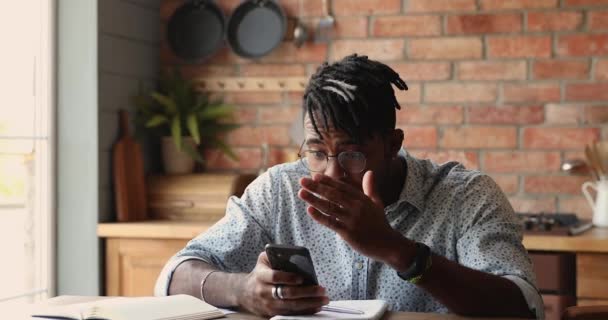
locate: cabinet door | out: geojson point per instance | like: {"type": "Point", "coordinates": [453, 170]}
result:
{"type": "Point", "coordinates": [592, 276]}
{"type": "Point", "coordinates": [132, 265]}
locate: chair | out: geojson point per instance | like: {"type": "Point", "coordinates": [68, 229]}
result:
{"type": "Point", "coordinates": [586, 313]}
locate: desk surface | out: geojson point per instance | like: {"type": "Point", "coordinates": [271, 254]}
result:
{"type": "Point", "coordinates": [594, 240]}
{"type": "Point", "coordinates": [62, 300]}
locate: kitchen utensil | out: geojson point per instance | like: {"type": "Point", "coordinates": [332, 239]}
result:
{"type": "Point", "coordinates": [325, 26]}
{"type": "Point", "coordinates": [600, 204]}
{"type": "Point", "coordinates": [256, 27]}
{"type": "Point", "coordinates": [575, 166]}
{"type": "Point", "coordinates": [596, 153]}
{"type": "Point", "coordinates": [595, 172]}
{"type": "Point", "coordinates": [128, 169]}
{"type": "Point", "coordinates": [602, 148]}
{"type": "Point", "coordinates": [196, 29]}
{"type": "Point", "coordinates": [300, 34]}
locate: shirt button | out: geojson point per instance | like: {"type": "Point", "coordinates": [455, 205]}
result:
{"type": "Point", "coordinates": [359, 265]}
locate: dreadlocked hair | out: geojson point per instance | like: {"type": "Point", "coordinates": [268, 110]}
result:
{"type": "Point", "coordinates": [354, 95]}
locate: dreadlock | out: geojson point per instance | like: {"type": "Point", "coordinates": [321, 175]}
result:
{"type": "Point", "coordinates": [355, 95]}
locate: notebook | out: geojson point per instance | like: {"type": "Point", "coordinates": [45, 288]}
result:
{"type": "Point", "coordinates": [373, 309]}
{"type": "Point", "coordinates": [178, 307]}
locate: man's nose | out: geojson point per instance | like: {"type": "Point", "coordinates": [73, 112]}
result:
{"type": "Point", "coordinates": [334, 169]}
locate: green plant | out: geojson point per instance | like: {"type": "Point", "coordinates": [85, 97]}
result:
{"type": "Point", "coordinates": [178, 109]}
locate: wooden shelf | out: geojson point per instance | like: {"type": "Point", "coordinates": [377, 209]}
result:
{"type": "Point", "coordinates": [595, 240]}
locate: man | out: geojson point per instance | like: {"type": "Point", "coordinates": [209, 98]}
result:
{"type": "Point", "coordinates": [380, 224]}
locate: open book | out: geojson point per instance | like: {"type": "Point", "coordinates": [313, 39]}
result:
{"type": "Point", "coordinates": [371, 310]}
{"type": "Point", "coordinates": [178, 307]}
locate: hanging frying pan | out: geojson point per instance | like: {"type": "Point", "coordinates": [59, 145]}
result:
{"type": "Point", "coordinates": [196, 29]}
{"type": "Point", "coordinates": [256, 27]}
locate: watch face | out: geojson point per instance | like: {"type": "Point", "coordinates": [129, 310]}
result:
{"type": "Point", "coordinates": [420, 264]}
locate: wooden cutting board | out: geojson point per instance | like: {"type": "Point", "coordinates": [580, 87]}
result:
{"type": "Point", "coordinates": [129, 180]}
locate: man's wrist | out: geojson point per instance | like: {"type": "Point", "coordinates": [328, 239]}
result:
{"type": "Point", "coordinates": [400, 252]}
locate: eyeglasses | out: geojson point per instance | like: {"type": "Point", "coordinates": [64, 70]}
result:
{"type": "Point", "coordinates": [316, 161]}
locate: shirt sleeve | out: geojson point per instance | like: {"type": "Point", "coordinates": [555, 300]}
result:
{"type": "Point", "coordinates": [233, 243]}
{"type": "Point", "coordinates": [490, 238]}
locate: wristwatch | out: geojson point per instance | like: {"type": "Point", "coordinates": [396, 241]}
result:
{"type": "Point", "coordinates": [422, 263]}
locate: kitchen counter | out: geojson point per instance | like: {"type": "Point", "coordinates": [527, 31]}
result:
{"type": "Point", "coordinates": [594, 240]}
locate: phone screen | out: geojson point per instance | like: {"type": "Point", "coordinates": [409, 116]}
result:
{"type": "Point", "coordinates": [292, 259]}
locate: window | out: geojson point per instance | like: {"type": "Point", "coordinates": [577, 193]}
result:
{"type": "Point", "coordinates": [26, 157]}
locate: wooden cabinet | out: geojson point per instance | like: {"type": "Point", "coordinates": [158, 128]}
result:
{"type": "Point", "coordinates": [132, 265]}
{"type": "Point", "coordinates": [137, 251]}
{"type": "Point", "coordinates": [592, 275]}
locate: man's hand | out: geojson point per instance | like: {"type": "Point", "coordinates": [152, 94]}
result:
{"type": "Point", "coordinates": [256, 292]}
{"type": "Point", "coordinates": [358, 217]}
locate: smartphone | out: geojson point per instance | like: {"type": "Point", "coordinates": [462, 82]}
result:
{"type": "Point", "coordinates": [292, 259]}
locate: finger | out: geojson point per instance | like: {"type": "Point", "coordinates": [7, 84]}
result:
{"type": "Point", "coordinates": [326, 206]}
{"type": "Point", "coordinates": [300, 292]}
{"type": "Point", "coordinates": [369, 188]}
{"type": "Point", "coordinates": [328, 192]}
{"type": "Point", "coordinates": [325, 220]}
{"type": "Point", "coordinates": [341, 185]}
{"type": "Point", "coordinates": [271, 276]}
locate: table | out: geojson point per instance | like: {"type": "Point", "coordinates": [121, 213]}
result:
{"type": "Point", "coordinates": [63, 300]}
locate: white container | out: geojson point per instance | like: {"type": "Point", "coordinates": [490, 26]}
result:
{"type": "Point", "coordinates": [600, 204]}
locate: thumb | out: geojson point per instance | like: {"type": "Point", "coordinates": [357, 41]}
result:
{"type": "Point", "coordinates": [369, 188]}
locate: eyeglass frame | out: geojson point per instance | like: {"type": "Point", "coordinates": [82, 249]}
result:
{"type": "Point", "coordinates": [327, 156]}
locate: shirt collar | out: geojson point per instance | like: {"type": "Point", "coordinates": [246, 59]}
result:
{"type": "Point", "coordinates": [413, 189]}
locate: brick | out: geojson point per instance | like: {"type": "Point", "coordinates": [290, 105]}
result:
{"type": "Point", "coordinates": [285, 115]}
{"type": "Point", "coordinates": [419, 71]}
{"type": "Point", "coordinates": [365, 7]}
{"type": "Point", "coordinates": [377, 49]}
{"type": "Point", "coordinates": [288, 53]}
{"type": "Point", "coordinates": [467, 158]}
{"type": "Point", "coordinates": [582, 44]}
{"type": "Point", "coordinates": [479, 137]}
{"type": "Point", "coordinates": [598, 20]}
{"type": "Point", "coordinates": [492, 70]}
{"type": "Point", "coordinates": [587, 91]}
{"type": "Point", "coordinates": [571, 3]}
{"type": "Point", "coordinates": [398, 26]}
{"type": "Point", "coordinates": [554, 21]}
{"type": "Point", "coordinates": [445, 48]}
{"type": "Point", "coordinates": [460, 92]}
{"type": "Point", "coordinates": [506, 115]}
{"type": "Point", "coordinates": [245, 115]}
{"type": "Point", "coordinates": [282, 155]}
{"type": "Point", "coordinates": [254, 136]}
{"type": "Point", "coordinates": [553, 184]}
{"type": "Point", "coordinates": [420, 137]}
{"type": "Point", "coordinates": [508, 184]}
{"type": "Point", "coordinates": [558, 138]}
{"type": "Point", "coordinates": [349, 27]}
{"type": "Point", "coordinates": [561, 69]}
{"type": "Point", "coordinates": [601, 69]}
{"type": "Point", "coordinates": [299, 8]}
{"type": "Point", "coordinates": [440, 5]}
{"type": "Point", "coordinates": [517, 4]}
{"type": "Point", "coordinates": [238, 98]}
{"type": "Point", "coordinates": [596, 115]}
{"type": "Point", "coordinates": [271, 70]}
{"type": "Point", "coordinates": [533, 205]}
{"type": "Point", "coordinates": [563, 114]}
{"type": "Point", "coordinates": [430, 115]}
{"type": "Point", "coordinates": [248, 159]}
{"type": "Point", "coordinates": [295, 98]}
{"type": "Point", "coordinates": [197, 71]}
{"type": "Point", "coordinates": [484, 23]}
{"type": "Point", "coordinates": [577, 205]}
{"type": "Point", "coordinates": [521, 162]}
{"type": "Point", "coordinates": [532, 92]}
{"type": "Point", "coordinates": [411, 96]}
{"type": "Point", "coordinates": [519, 46]}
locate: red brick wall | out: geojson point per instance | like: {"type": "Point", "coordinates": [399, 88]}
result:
{"type": "Point", "coordinates": [509, 87]}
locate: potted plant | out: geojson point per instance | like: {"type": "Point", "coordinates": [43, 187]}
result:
{"type": "Point", "coordinates": [186, 120]}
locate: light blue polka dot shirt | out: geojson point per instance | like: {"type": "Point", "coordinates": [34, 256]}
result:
{"type": "Point", "coordinates": [460, 214]}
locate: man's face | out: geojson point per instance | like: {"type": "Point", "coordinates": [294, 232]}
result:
{"type": "Point", "coordinates": [334, 142]}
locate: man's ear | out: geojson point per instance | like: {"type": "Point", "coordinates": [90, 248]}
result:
{"type": "Point", "coordinates": [396, 141]}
